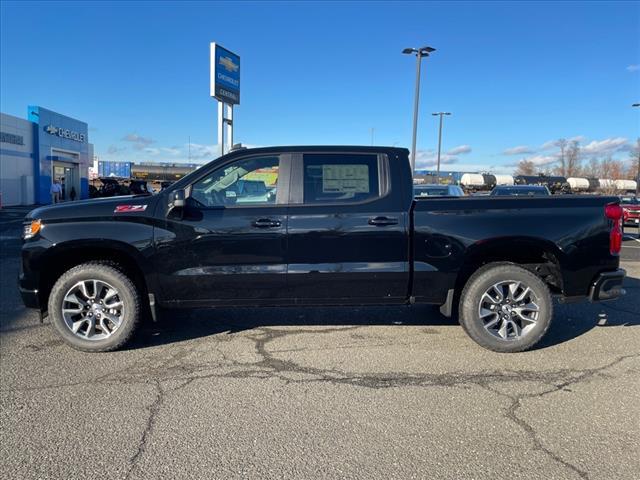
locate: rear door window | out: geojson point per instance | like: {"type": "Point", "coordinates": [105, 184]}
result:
{"type": "Point", "coordinates": [341, 178]}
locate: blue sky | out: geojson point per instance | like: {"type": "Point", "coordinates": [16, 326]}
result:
{"type": "Point", "coordinates": [515, 75]}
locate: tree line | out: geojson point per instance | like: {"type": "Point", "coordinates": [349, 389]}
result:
{"type": "Point", "coordinates": [571, 163]}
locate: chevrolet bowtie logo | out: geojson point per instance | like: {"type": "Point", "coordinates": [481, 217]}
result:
{"type": "Point", "coordinates": [227, 63]}
{"type": "Point", "coordinates": [51, 129]}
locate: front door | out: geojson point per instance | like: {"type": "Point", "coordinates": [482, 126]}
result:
{"type": "Point", "coordinates": [230, 245]}
{"type": "Point", "coordinates": [348, 235]}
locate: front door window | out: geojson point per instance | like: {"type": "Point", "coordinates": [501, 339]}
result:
{"type": "Point", "coordinates": [248, 182]}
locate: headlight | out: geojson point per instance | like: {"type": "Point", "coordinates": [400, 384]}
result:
{"type": "Point", "coordinates": [31, 229]}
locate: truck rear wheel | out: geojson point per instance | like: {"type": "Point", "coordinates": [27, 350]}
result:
{"type": "Point", "coordinates": [94, 307]}
{"type": "Point", "coordinates": [505, 308]}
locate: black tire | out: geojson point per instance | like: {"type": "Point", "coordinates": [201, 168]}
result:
{"type": "Point", "coordinates": [127, 293]}
{"type": "Point", "coordinates": [473, 294]}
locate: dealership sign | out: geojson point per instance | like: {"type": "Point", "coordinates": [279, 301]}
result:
{"type": "Point", "coordinates": [225, 75]}
{"type": "Point", "coordinates": [65, 133]}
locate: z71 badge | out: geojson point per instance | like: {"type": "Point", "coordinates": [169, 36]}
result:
{"type": "Point", "coordinates": [129, 208]}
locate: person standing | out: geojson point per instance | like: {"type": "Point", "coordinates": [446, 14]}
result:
{"type": "Point", "coordinates": [56, 190]}
{"type": "Point", "coordinates": [72, 194]}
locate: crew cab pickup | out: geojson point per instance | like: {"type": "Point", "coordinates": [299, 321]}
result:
{"type": "Point", "coordinates": [317, 226]}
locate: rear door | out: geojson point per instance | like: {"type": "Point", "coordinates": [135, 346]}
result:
{"type": "Point", "coordinates": [348, 237]}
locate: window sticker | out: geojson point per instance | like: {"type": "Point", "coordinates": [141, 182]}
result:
{"type": "Point", "coordinates": [345, 178]}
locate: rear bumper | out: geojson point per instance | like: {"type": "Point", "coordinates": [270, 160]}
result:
{"type": "Point", "coordinates": [607, 286]}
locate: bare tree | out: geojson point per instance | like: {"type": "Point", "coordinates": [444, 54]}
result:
{"type": "Point", "coordinates": [592, 169]}
{"type": "Point", "coordinates": [525, 167]}
{"type": "Point", "coordinates": [613, 169]}
{"type": "Point", "coordinates": [562, 158]}
{"type": "Point", "coordinates": [634, 169]}
{"type": "Point", "coordinates": [572, 159]}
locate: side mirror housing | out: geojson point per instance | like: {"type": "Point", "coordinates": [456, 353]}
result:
{"type": "Point", "coordinates": [176, 204]}
{"type": "Point", "coordinates": [177, 199]}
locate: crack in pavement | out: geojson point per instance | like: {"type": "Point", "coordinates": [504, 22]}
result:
{"type": "Point", "coordinates": [153, 409]}
{"type": "Point", "coordinates": [516, 404]}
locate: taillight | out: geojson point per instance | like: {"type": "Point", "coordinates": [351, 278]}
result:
{"type": "Point", "coordinates": [614, 212]}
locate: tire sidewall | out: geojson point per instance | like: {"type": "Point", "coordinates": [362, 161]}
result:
{"type": "Point", "coordinates": [126, 291]}
{"type": "Point", "coordinates": [479, 283]}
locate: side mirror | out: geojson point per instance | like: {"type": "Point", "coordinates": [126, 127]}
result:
{"type": "Point", "coordinates": [176, 204]}
{"type": "Point", "coordinates": [177, 200]}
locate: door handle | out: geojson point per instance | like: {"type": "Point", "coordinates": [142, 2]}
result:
{"type": "Point", "coordinates": [266, 223]}
{"type": "Point", "coordinates": [383, 221]}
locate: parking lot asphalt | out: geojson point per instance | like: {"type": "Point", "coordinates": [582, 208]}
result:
{"type": "Point", "coordinates": [321, 393]}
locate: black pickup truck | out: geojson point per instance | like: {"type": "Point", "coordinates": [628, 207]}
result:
{"type": "Point", "coordinates": [317, 226]}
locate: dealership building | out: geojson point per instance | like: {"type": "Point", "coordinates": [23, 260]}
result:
{"type": "Point", "coordinates": [34, 152]}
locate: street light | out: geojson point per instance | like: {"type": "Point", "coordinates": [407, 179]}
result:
{"type": "Point", "coordinates": [419, 52]}
{"type": "Point", "coordinates": [441, 114]}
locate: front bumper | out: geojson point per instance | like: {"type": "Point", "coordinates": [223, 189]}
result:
{"type": "Point", "coordinates": [29, 297]}
{"type": "Point", "coordinates": [607, 286]}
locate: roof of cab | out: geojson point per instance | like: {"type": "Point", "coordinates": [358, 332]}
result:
{"type": "Point", "coordinates": [319, 148]}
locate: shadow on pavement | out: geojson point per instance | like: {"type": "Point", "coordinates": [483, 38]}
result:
{"type": "Point", "coordinates": [570, 321]}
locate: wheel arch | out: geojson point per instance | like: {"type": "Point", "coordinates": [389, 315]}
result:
{"type": "Point", "coordinates": [66, 255]}
{"type": "Point", "coordinates": [541, 257]}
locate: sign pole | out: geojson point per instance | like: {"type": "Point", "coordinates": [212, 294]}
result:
{"type": "Point", "coordinates": [229, 126]}
{"type": "Point", "coordinates": [220, 128]}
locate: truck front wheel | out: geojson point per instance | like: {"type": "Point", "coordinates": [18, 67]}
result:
{"type": "Point", "coordinates": [94, 307]}
{"type": "Point", "coordinates": [505, 308]}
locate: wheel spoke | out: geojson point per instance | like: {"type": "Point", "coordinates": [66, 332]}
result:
{"type": "Point", "coordinates": [83, 288]}
{"type": "Point", "coordinates": [485, 312]}
{"type": "Point", "coordinates": [502, 331]}
{"type": "Point", "coordinates": [91, 327]}
{"type": "Point", "coordinates": [516, 329]}
{"type": "Point", "coordinates": [513, 288]}
{"type": "Point", "coordinates": [116, 304]}
{"type": "Point", "coordinates": [72, 311]}
{"type": "Point", "coordinates": [491, 323]}
{"type": "Point", "coordinates": [76, 325]}
{"type": "Point", "coordinates": [523, 295]}
{"type": "Point", "coordinates": [73, 298]}
{"type": "Point", "coordinates": [111, 292]}
{"type": "Point", "coordinates": [114, 319]}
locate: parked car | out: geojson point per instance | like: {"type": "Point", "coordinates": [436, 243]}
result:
{"type": "Point", "coordinates": [630, 210]}
{"type": "Point", "coordinates": [520, 191]}
{"type": "Point", "coordinates": [435, 190]}
{"type": "Point", "coordinates": [343, 228]}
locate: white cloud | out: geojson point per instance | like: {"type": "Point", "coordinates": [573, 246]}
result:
{"type": "Point", "coordinates": [138, 141]}
{"type": "Point", "coordinates": [519, 150]}
{"type": "Point", "coordinates": [633, 67]}
{"type": "Point", "coordinates": [428, 159]}
{"type": "Point", "coordinates": [554, 143]}
{"type": "Point", "coordinates": [608, 146]}
{"type": "Point", "coordinates": [115, 150]}
{"type": "Point", "coordinates": [459, 150]}
{"type": "Point", "coordinates": [541, 159]}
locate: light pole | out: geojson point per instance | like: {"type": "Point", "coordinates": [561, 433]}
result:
{"type": "Point", "coordinates": [441, 114]}
{"type": "Point", "coordinates": [638, 172]}
{"type": "Point", "coordinates": [419, 52]}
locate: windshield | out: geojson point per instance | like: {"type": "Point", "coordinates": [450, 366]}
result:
{"type": "Point", "coordinates": [630, 201]}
